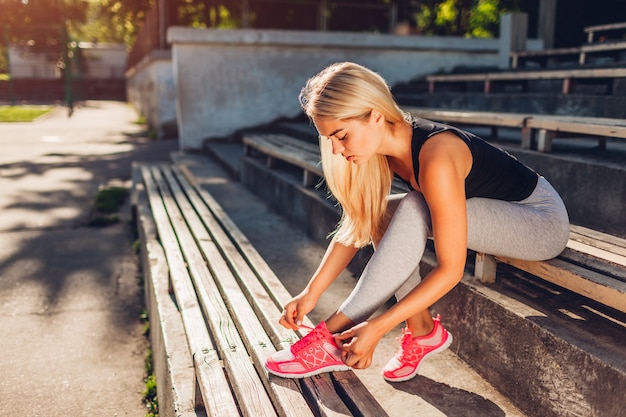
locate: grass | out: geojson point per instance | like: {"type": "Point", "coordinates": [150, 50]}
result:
{"type": "Point", "coordinates": [150, 390]}
{"type": "Point", "coordinates": [108, 201]}
{"type": "Point", "coordinates": [22, 113]}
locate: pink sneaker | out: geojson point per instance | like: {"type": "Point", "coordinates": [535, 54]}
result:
{"type": "Point", "coordinates": [315, 353]}
{"type": "Point", "coordinates": [413, 350]}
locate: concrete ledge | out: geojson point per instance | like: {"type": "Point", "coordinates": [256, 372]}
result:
{"type": "Point", "coordinates": [231, 80]}
{"type": "Point", "coordinates": [187, 36]}
{"type": "Point", "coordinates": [150, 89]}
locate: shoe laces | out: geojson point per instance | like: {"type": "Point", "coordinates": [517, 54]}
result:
{"type": "Point", "coordinates": [408, 345]}
{"type": "Point", "coordinates": [314, 335]}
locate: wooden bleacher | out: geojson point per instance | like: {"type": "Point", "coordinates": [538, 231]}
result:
{"type": "Point", "coordinates": [606, 285]}
{"type": "Point", "coordinates": [580, 54]}
{"type": "Point", "coordinates": [490, 79]}
{"type": "Point", "coordinates": [229, 302]}
{"type": "Point", "coordinates": [614, 48]}
{"type": "Point", "coordinates": [536, 130]}
{"type": "Point", "coordinates": [592, 31]}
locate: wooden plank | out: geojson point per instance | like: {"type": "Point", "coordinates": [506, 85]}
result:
{"type": "Point", "coordinates": [326, 406]}
{"type": "Point", "coordinates": [596, 126]}
{"type": "Point", "coordinates": [252, 398]}
{"type": "Point", "coordinates": [594, 263]}
{"type": "Point", "coordinates": [598, 239]}
{"type": "Point", "coordinates": [577, 279]}
{"type": "Point", "coordinates": [359, 405]}
{"type": "Point", "coordinates": [285, 393]}
{"type": "Point", "coordinates": [485, 268]}
{"type": "Point", "coordinates": [603, 47]}
{"type": "Point", "coordinates": [597, 252]}
{"type": "Point", "coordinates": [591, 30]}
{"type": "Point", "coordinates": [266, 276]}
{"type": "Point", "coordinates": [175, 371]}
{"type": "Point", "coordinates": [285, 151]}
{"type": "Point", "coordinates": [471, 117]}
{"type": "Point", "coordinates": [580, 52]}
{"type": "Point", "coordinates": [212, 377]}
{"type": "Point", "coordinates": [531, 75]}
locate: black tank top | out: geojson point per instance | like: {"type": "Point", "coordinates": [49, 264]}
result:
{"type": "Point", "coordinates": [495, 173]}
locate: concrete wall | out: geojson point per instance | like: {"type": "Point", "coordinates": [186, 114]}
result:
{"type": "Point", "coordinates": [151, 90]}
{"type": "Point", "coordinates": [227, 80]}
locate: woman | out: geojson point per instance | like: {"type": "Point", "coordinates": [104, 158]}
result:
{"type": "Point", "coordinates": [464, 193]}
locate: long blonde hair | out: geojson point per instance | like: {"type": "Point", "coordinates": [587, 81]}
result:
{"type": "Point", "coordinates": [348, 91]}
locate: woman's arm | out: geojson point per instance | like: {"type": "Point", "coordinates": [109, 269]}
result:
{"type": "Point", "coordinates": [336, 259]}
{"type": "Point", "coordinates": [445, 162]}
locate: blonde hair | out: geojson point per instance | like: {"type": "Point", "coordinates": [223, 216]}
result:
{"type": "Point", "coordinates": [348, 91]}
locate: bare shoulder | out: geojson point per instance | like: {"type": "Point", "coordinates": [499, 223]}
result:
{"type": "Point", "coordinates": [446, 148]}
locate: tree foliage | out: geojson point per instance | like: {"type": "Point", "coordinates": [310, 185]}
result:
{"type": "Point", "coordinates": [40, 24]}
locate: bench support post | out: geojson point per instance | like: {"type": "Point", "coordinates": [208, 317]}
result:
{"type": "Point", "coordinates": [485, 268]}
{"type": "Point", "coordinates": [527, 137]}
{"type": "Point", "coordinates": [544, 140]}
{"type": "Point", "coordinates": [308, 180]}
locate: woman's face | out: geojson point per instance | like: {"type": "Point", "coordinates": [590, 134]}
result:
{"type": "Point", "coordinates": [355, 140]}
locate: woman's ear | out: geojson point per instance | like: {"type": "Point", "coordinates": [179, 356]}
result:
{"type": "Point", "coordinates": [377, 117]}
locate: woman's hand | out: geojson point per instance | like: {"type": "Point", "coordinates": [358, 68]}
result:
{"type": "Point", "coordinates": [358, 344]}
{"type": "Point", "coordinates": [296, 309]}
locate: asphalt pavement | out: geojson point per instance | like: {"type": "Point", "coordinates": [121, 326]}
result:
{"type": "Point", "coordinates": [71, 338]}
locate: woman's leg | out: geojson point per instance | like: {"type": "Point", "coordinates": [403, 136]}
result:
{"type": "Point", "coordinates": [534, 229]}
{"type": "Point", "coordinates": [394, 266]}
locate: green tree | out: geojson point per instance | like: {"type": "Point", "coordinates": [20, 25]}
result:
{"type": "Point", "coordinates": [469, 18]}
{"type": "Point", "coordinates": [39, 24]}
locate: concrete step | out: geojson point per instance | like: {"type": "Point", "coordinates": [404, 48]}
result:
{"type": "Point", "coordinates": [551, 352]}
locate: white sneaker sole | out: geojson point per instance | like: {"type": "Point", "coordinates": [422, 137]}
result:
{"type": "Point", "coordinates": [332, 368]}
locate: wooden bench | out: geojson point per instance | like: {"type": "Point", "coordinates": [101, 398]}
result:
{"type": "Point", "coordinates": [547, 128]}
{"type": "Point", "coordinates": [593, 265]}
{"type": "Point", "coordinates": [229, 302]}
{"type": "Point", "coordinates": [296, 152]}
{"type": "Point", "coordinates": [522, 77]}
{"type": "Point", "coordinates": [279, 147]}
{"type": "Point", "coordinates": [580, 53]}
{"type": "Point", "coordinates": [544, 128]}
{"type": "Point", "coordinates": [592, 30]}
{"type": "Point", "coordinates": [493, 120]}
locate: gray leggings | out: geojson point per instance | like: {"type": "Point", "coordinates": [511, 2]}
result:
{"type": "Point", "coordinates": [536, 228]}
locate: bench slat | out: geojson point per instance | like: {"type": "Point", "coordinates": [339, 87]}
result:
{"type": "Point", "coordinates": [247, 386]}
{"type": "Point", "coordinates": [531, 75]}
{"type": "Point", "coordinates": [582, 281]}
{"type": "Point", "coordinates": [285, 151]}
{"type": "Point", "coordinates": [211, 375]}
{"type": "Point", "coordinates": [598, 239]}
{"type": "Point", "coordinates": [595, 126]}
{"type": "Point", "coordinates": [471, 117]}
{"type": "Point", "coordinates": [176, 385]}
{"type": "Point", "coordinates": [279, 293]}
{"type": "Point", "coordinates": [284, 393]}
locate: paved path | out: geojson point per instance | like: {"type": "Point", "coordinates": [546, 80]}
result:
{"type": "Point", "coordinates": [71, 338]}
